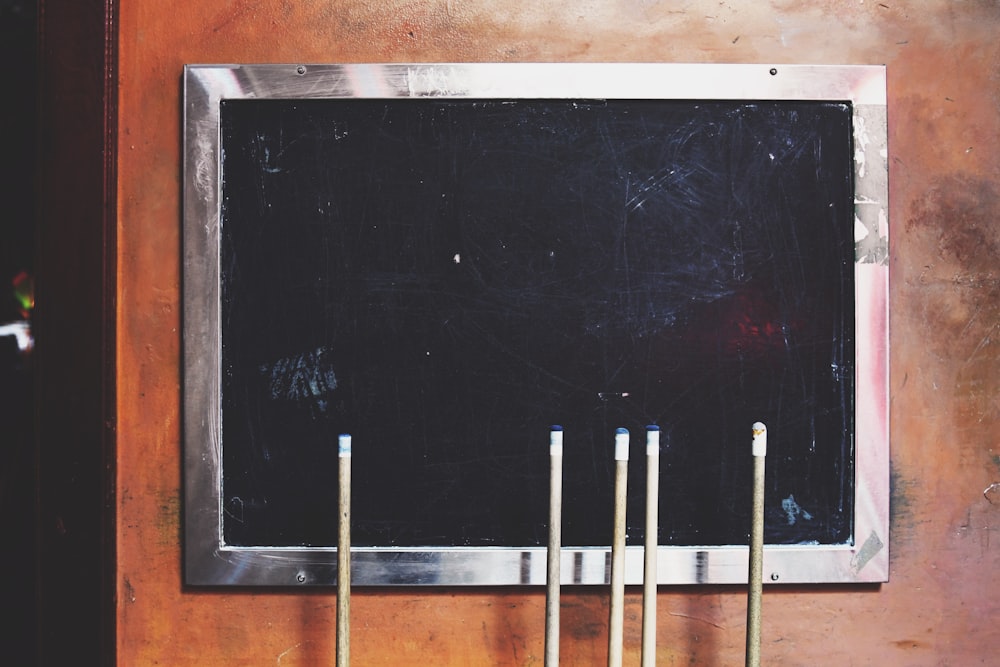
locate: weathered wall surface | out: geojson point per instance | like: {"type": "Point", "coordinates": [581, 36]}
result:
{"type": "Point", "coordinates": [940, 608]}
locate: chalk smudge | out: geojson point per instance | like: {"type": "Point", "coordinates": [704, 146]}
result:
{"type": "Point", "coordinates": [307, 377]}
{"type": "Point", "coordinates": [793, 511]}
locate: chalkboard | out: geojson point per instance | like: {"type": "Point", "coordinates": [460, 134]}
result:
{"type": "Point", "coordinates": [444, 278]}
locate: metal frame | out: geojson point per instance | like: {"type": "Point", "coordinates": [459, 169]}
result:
{"type": "Point", "coordinates": [208, 561]}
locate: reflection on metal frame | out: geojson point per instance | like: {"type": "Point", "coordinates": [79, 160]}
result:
{"type": "Point", "coordinates": [208, 561]}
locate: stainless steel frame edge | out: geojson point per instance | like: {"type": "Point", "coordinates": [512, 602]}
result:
{"type": "Point", "coordinates": [208, 561]}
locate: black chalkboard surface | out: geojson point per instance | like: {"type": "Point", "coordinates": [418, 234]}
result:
{"type": "Point", "coordinates": [446, 278]}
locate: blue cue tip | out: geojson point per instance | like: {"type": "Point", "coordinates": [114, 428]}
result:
{"type": "Point", "coordinates": [621, 444]}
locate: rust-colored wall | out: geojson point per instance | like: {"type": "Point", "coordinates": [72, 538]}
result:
{"type": "Point", "coordinates": [940, 607]}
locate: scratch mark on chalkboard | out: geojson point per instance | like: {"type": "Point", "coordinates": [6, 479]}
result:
{"type": "Point", "coordinates": [305, 377]}
{"type": "Point", "coordinates": [234, 508]}
{"type": "Point", "coordinates": [650, 184]}
{"type": "Point", "coordinates": [267, 162]}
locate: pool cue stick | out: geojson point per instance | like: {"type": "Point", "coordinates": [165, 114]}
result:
{"type": "Point", "coordinates": [652, 529]}
{"type": "Point", "coordinates": [616, 624]}
{"type": "Point", "coordinates": [344, 554]}
{"type": "Point", "coordinates": [554, 552]}
{"type": "Point", "coordinates": [756, 570]}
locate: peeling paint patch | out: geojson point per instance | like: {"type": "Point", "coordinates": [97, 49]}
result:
{"type": "Point", "coordinates": [868, 550]}
{"type": "Point", "coordinates": [861, 141]}
{"type": "Point", "coordinates": [871, 222]}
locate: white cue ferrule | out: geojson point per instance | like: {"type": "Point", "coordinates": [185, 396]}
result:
{"type": "Point", "coordinates": [344, 445]}
{"type": "Point", "coordinates": [556, 441]}
{"type": "Point", "coordinates": [759, 439]}
{"type": "Point", "coordinates": [652, 441]}
{"type": "Point", "coordinates": [621, 444]}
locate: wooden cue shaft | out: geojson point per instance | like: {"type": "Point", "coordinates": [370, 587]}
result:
{"type": "Point", "coordinates": [616, 624]}
{"type": "Point", "coordinates": [652, 528]}
{"type": "Point", "coordinates": [344, 555]}
{"type": "Point", "coordinates": [756, 570]}
{"type": "Point", "coordinates": [553, 573]}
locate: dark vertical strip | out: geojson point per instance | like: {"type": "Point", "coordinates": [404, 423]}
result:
{"type": "Point", "coordinates": [75, 331]}
{"type": "Point", "coordinates": [701, 567]}
{"type": "Point", "coordinates": [578, 567]}
{"type": "Point", "coordinates": [18, 113]}
{"type": "Point", "coordinates": [525, 568]}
